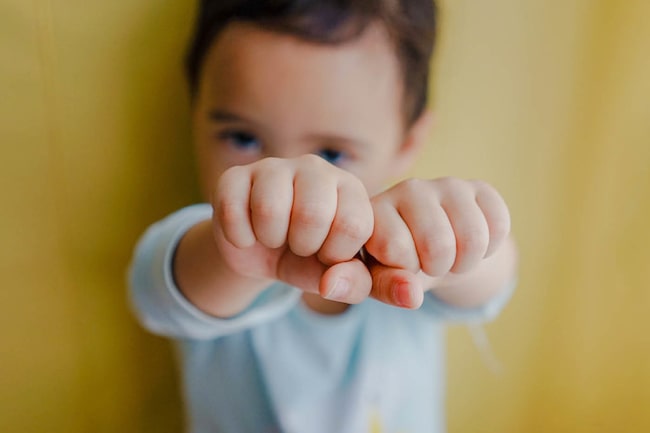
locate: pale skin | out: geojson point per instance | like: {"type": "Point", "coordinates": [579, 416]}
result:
{"type": "Point", "coordinates": [267, 105]}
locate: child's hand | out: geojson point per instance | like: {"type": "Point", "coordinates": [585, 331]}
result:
{"type": "Point", "coordinates": [290, 220]}
{"type": "Point", "coordinates": [437, 226]}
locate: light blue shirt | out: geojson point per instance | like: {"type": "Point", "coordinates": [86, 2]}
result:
{"type": "Point", "coordinates": [280, 367]}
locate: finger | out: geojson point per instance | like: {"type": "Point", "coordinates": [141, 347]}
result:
{"type": "Point", "coordinates": [314, 207]}
{"type": "Point", "coordinates": [351, 227]}
{"type": "Point", "coordinates": [231, 206]}
{"type": "Point", "coordinates": [433, 233]}
{"type": "Point", "coordinates": [470, 230]}
{"type": "Point", "coordinates": [397, 287]}
{"type": "Point", "coordinates": [391, 242]}
{"type": "Point", "coordinates": [495, 212]}
{"type": "Point", "coordinates": [304, 273]}
{"type": "Point", "coordinates": [348, 282]}
{"type": "Point", "coordinates": [270, 203]}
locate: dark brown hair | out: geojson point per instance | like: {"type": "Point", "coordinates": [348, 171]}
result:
{"type": "Point", "coordinates": [411, 25]}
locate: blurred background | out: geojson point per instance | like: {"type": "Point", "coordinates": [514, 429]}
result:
{"type": "Point", "coordinates": [549, 101]}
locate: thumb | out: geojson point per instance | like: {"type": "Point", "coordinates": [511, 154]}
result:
{"type": "Point", "coordinates": [348, 282]}
{"type": "Point", "coordinates": [304, 273]}
{"type": "Point", "coordinates": [395, 286]}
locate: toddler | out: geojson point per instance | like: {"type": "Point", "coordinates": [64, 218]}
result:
{"type": "Point", "coordinates": [305, 295]}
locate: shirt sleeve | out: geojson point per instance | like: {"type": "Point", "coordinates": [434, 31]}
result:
{"type": "Point", "coordinates": [161, 307]}
{"type": "Point", "coordinates": [440, 310]}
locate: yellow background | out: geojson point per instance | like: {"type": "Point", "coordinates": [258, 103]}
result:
{"type": "Point", "coordinates": [548, 100]}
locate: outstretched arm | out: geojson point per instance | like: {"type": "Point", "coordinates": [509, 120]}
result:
{"type": "Point", "coordinates": [300, 220]}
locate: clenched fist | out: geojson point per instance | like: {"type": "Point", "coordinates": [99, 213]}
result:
{"type": "Point", "coordinates": [299, 220]}
{"type": "Point", "coordinates": [304, 221]}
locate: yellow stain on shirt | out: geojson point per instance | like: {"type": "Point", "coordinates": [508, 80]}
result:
{"type": "Point", "coordinates": [375, 423]}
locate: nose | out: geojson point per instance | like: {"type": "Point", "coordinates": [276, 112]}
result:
{"type": "Point", "coordinates": [286, 149]}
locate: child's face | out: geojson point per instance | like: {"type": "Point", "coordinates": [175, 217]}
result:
{"type": "Point", "coordinates": [264, 94]}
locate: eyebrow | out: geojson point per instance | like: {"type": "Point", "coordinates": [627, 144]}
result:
{"type": "Point", "coordinates": [219, 115]}
{"type": "Point", "coordinates": [338, 139]}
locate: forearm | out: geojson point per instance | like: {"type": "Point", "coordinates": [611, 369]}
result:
{"type": "Point", "coordinates": [206, 281]}
{"type": "Point", "coordinates": [476, 287]}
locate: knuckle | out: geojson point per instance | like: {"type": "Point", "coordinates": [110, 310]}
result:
{"type": "Point", "coordinates": [437, 255]}
{"type": "Point", "coordinates": [229, 213]}
{"type": "Point", "coordinates": [472, 240]}
{"type": "Point", "coordinates": [481, 185]}
{"type": "Point", "coordinates": [412, 187]}
{"type": "Point", "coordinates": [314, 215]}
{"type": "Point", "coordinates": [269, 164]}
{"type": "Point", "coordinates": [266, 210]}
{"type": "Point", "coordinates": [354, 227]}
{"type": "Point", "coordinates": [392, 252]}
{"type": "Point", "coordinates": [500, 227]}
{"type": "Point", "coordinates": [437, 247]}
{"type": "Point", "coordinates": [352, 185]}
{"type": "Point", "coordinates": [450, 183]}
{"type": "Point", "coordinates": [230, 175]}
{"type": "Point", "coordinates": [235, 170]}
{"type": "Point", "coordinates": [313, 161]}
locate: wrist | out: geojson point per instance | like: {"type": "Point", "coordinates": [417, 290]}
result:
{"type": "Point", "coordinates": [478, 286]}
{"type": "Point", "coordinates": [206, 280]}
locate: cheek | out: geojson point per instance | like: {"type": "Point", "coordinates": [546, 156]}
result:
{"type": "Point", "coordinates": [208, 176]}
{"type": "Point", "coordinates": [381, 171]}
{"type": "Point", "coordinates": [209, 165]}
{"type": "Point", "coordinates": [374, 176]}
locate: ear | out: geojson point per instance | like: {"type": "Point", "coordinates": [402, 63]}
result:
{"type": "Point", "coordinates": [414, 139]}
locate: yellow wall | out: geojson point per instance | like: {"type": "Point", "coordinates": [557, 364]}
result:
{"type": "Point", "coordinates": [550, 101]}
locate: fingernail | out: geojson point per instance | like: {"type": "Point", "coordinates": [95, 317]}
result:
{"type": "Point", "coordinates": [340, 290]}
{"type": "Point", "coordinates": [402, 294]}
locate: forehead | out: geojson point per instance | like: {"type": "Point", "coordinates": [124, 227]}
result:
{"type": "Point", "coordinates": [248, 68]}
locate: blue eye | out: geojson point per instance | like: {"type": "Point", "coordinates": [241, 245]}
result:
{"type": "Point", "coordinates": [241, 140]}
{"type": "Point", "coordinates": [332, 156]}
